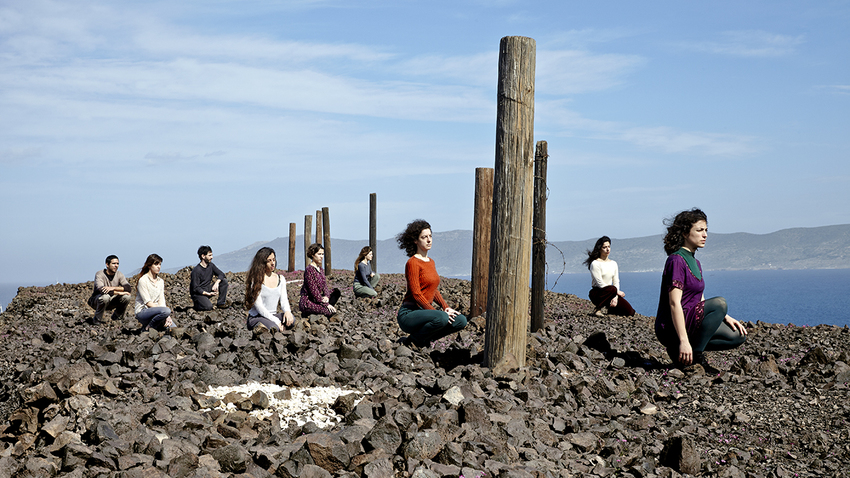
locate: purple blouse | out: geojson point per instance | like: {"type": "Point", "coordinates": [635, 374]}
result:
{"type": "Point", "coordinates": [312, 290]}
{"type": "Point", "coordinates": [677, 275]}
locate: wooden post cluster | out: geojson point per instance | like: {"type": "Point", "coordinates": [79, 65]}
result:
{"type": "Point", "coordinates": [291, 265]}
{"type": "Point", "coordinates": [481, 240]}
{"type": "Point", "coordinates": [308, 230]}
{"type": "Point", "coordinates": [326, 219]}
{"type": "Point", "coordinates": [510, 245]}
{"type": "Point", "coordinates": [373, 229]}
{"type": "Point", "coordinates": [538, 253]}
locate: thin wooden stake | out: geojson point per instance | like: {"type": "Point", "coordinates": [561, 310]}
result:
{"type": "Point", "coordinates": [481, 240]}
{"type": "Point", "coordinates": [538, 261]}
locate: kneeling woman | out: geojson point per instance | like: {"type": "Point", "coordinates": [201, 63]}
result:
{"type": "Point", "coordinates": [264, 289]}
{"type": "Point", "coordinates": [605, 281]}
{"type": "Point", "coordinates": [151, 311]}
{"type": "Point", "coordinates": [417, 316]}
{"type": "Point", "coordinates": [314, 291]}
{"type": "Point", "coordinates": [364, 279]}
{"type": "Point", "coordinates": [686, 323]}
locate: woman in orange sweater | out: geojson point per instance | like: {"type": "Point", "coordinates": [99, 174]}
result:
{"type": "Point", "coordinates": [417, 315]}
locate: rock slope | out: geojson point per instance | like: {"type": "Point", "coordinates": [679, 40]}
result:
{"type": "Point", "coordinates": [596, 397]}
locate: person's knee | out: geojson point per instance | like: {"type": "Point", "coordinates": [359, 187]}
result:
{"type": "Point", "coordinates": [717, 303]}
{"type": "Point", "coordinates": [459, 322]}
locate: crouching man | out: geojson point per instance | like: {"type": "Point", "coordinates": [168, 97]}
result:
{"type": "Point", "coordinates": [111, 291]}
{"type": "Point", "coordinates": [201, 285]}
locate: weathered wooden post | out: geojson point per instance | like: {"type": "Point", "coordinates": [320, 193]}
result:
{"type": "Point", "coordinates": [318, 227]}
{"type": "Point", "coordinates": [510, 244]}
{"type": "Point", "coordinates": [373, 229]}
{"type": "Point", "coordinates": [291, 247]}
{"type": "Point", "coordinates": [326, 219]}
{"type": "Point", "coordinates": [481, 240]}
{"type": "Point", "coordinates": [308, 229]}
{"type": "Point", "coordinates": [538, 250]}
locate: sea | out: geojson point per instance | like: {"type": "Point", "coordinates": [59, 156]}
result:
{"type": "Point", "coordinates": [800, 297]}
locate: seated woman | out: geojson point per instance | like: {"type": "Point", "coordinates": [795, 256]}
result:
{"type": "Point", "coordinates": [364, 279]}
{"type": "Point", "coordinates": [314, 291]}
{"type": "Point", "coordinates": [264, 289]}
{"type": "Point", "coordinates": [151, 311]}
{"type": "Point", "coordinates": [605, 284]}
{"type": "Point", "coordinates": [687, 324]}
{"type": "Point", "coordinates": [417, 316]}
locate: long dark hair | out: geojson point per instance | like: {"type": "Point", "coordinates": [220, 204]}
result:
{"type": "Point", "coordinates": [151, 260]}
{"type": "Point", "coordinates": [679, 227]}
{"type": "Point", "coordinates": [407, 238]}
{"type": "Point", "coordinates": [363, 253]}
{"type": "Point", "coordinates": [597, 250]}
{"type": "Point", "coordinates": [254, 279]}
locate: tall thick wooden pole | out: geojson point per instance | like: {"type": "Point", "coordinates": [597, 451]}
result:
{"type": "Point", "coordinates": [318, 227]}
{"type": "Point", "coordinates": [538, 249]}
{"type": "Point", "coordinates": [373, 229]}
{"type": "Point", "coordinates": [291, 247]}
{"type": "Point", "coordinates": [308, 230]}
{"type": "Point", "coordinates": [481, 240]}
{"type": "Point", "coordinates": [326, 219]}
{"type": "Point", "coordinates": [510, 244]}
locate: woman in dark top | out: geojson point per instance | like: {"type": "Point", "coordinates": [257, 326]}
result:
{"type": "Point", "coordinates": [686, 323]}
{"type": "Point", "coordinates": [364, 279]}
{"type": "Point", "coordinates": [315, 298]}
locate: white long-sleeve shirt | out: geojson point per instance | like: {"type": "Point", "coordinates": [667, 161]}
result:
{"type": "Point", "coordinates": [266, 303]}
{"type": "Point", "coordinates": [148, 290]}
{"type": "Point", "coordinates": [604, 273]}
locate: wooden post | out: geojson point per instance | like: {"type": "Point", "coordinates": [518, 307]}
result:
{"type": "Point", "coordinates": [326, 218]}
{"type": "Point", "coordinates": [538, 248]}
{"type": "Point", "coordinates": [510, 243]}
{"type": "Point", "coordinates": [373, 229]}
{"type": "Point", "coordinates": [481, 240]}
{"type": "Point", "coordinates": [318, 227]}
{"type": "Point", "coordinates": [308, 228]}
{"type": "Point", "coordinates": [291, 247]}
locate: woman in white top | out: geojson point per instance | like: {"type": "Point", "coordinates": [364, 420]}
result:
{"type": "Point", "coordinates": [605, 285]}
{"type": "Point", "coordinates": [151, 311]}
{"type": "Point", "coordinates": [264, 289]}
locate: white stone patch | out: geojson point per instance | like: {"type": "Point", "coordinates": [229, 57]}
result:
{"type": "Point", "coordinates": [311, 404]}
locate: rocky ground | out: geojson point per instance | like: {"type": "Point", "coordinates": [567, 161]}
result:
{"type": "Point", "coordinates": [596, 397]}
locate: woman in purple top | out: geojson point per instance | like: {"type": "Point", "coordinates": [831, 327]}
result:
{"type": "Point", "coordinates": [314, 291]}
{"type": "Point", "coordinates": [686, 323]}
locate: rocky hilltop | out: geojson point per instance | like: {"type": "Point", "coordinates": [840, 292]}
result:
{"type": "Point", "coordinates": [596, 397]}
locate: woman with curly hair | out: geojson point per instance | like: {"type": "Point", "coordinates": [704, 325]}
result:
{"type": "Point", "coordinates": [417, 315]}
{"type": "Point", "coordinates": [151, 310]}
{"type": "Point", "coordinates": [364, 279]}
{"type": "Point", "coordinates": [315, 298]}
{"type": "Point", "coordinates": [605, 281]}
{"type": "Point", "coordinates": [264, 290]}
{"type": "Point", "coordinates": [687, 324]}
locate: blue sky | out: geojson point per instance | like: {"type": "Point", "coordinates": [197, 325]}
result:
{"type": "Point", "coordinates": [139, 127]}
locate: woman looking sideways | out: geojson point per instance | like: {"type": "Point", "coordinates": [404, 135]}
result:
{"type": "Point", "coordinates": [417, 316]}
{"type": "Point", "coordinates": [314, 291]}
{"type": "Point", "coordinates": [264, 289]}
{"type": "Point", "coordinates": [605, 281]}
{"type": "Point", "coordinates": [150, 308]}
{"type": "Point", "coordinates": [364, 279]}
{"type": "Point", "coordinates": [687, 324]}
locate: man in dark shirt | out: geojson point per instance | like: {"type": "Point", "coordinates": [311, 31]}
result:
{"type": "Point", "coordinates": [201, 286]}
{"type": "Point", "coordinates": [111, 291]}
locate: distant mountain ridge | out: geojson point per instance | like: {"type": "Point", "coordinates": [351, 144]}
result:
{"type": "Point", "coordinates": [826, 247]}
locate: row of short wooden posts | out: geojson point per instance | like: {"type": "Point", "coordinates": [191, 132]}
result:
{"type": "Point", "coordinates": [510, 216]}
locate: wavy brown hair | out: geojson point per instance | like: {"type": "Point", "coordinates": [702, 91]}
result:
{"type": "Point", "coordinates": [363, 253]}
{"type": "Point", "coordinates": [680, 226]}
{"type": "Point", "coordinates": [312, 249]}
{"type": "Point", "coordinates": [407, 238]}
{"type": "Point", "coordinates": [254, 279]}
{"type": "Point", "coordinates": [597, 251]}
{"type": "Point", "coordinates": [151, 260]}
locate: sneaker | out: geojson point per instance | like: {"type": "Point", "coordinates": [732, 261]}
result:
{"type": "Point", "coordinates": [598, 313]}
{"type": "Point", "coordinates": [260, 329]}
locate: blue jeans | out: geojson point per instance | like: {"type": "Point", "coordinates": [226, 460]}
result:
{"type": "Point", "coordinates": [426, 326]}
{"type": "Point", "coordinates": [153, 317]}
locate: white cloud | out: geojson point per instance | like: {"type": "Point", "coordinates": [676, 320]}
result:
{"type": "Point", "coordinates": [748, 43]}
